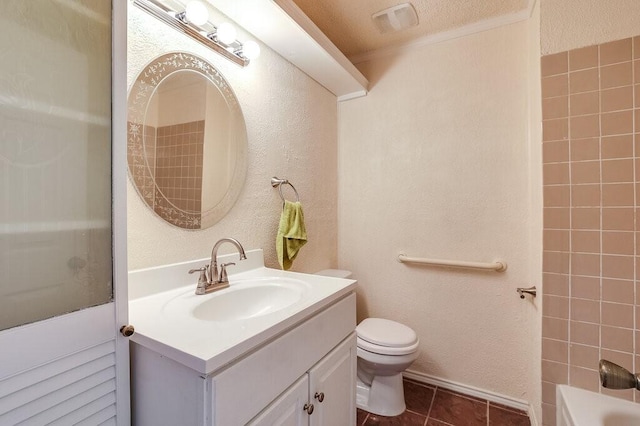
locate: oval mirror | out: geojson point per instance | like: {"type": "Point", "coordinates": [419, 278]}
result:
{"type": "Point", "coordinates": [186, 141]}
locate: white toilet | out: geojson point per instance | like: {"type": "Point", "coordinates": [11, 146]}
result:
{"type": "Point", "coordinates": [385, 349]}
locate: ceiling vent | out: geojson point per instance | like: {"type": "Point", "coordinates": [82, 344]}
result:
{"type": "Point", "coordinates": [396, 18]}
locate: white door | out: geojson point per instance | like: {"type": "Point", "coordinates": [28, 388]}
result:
{"type": "Point", "coordinates": [332, 386]}
{"type": "Point", "coordinates": [63, 291]}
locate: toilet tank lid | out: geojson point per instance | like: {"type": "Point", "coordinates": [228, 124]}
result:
{"type": "Point", "coordinates": [337, 273]}
{"type": "Point", "coordinates": [385, 332]}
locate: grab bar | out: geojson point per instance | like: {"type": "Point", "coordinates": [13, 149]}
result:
{"type": "Point", "coordinates": [498, 265]}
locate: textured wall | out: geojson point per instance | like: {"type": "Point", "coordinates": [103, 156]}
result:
{"type": "Point", "coordinates": [568, 24]}
{"type": "Point", "coordinates": [435, 162]}
{"type": "Point", "coordinates": [291, 127]}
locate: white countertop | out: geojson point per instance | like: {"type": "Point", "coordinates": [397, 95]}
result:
{"type": "Point", "coordinates": [206, 346]}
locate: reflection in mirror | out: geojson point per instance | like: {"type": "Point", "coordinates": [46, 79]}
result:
{"type": "Point", "coordinates": [186, 141]}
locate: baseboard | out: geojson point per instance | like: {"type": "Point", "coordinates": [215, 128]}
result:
{"type": "Point", "coordinates": [507, 401]}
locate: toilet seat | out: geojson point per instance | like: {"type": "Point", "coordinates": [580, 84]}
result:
{"type": "Point", "coordinates": [386, 337]}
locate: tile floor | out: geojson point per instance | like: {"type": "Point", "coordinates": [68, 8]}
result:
{"type": "Point", "coordinates": [432, 406]}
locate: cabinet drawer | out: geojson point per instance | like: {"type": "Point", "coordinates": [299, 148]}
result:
{"type": "Point", "coordinates": [248, 386]}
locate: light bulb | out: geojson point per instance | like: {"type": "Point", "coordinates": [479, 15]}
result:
{"type": "Point", "coordinates": [250, 49]}
{"type": "Point", "coordinates": [196, 13]}
{"type": "Point", "coordinates": [226, 33]}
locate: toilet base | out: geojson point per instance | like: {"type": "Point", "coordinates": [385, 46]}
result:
{"type": "Point", "coordinates": [384, 397]}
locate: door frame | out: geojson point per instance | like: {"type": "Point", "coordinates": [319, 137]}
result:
{"type": "Point", "coordinates": [119, 208]}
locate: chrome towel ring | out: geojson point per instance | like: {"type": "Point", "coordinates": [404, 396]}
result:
{"type": "Point", "coordinates": [276, 182]}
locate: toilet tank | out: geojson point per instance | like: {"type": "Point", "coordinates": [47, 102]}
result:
{"type": "Point", "coordinates": [336, 273]}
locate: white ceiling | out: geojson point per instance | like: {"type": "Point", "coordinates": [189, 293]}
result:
{"type": "Point", "coordinates": [348, 24]}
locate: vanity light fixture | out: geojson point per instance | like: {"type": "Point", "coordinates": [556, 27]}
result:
{"type": "Point", "coordinates": [193, 22]}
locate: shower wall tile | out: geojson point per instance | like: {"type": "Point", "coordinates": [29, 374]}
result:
{"type": "Point", "coordinates": [616, 75]}
{"type": "Point", "coordinates": [620, 98]}
{"type": "Point", "coordinates": [557, 85]}
{"type": "Point", "coordinates": [555, 328]}
{"type": "Point", "coordinates": [616, 51]}
{"type": "Point", "coordinates": [620, 146]}
{"type": "Point", "coordinates": [618, 291]}
{"type": "Point", "coordinates": [583, 81]}
{"type": "Point", "coordinates": [585, 149]}
{"type": "Point", "coordinates": [584, 356]}
{"type": "Point", "coordinates": [556, 218]}
{"type": "Point", "coordinates": [555, 350]}
{"type": "Point", "coordinates": [585, 333]}
{"type": "Point", "coordinates": [591, 175]}
{"type": "Point", "coordinates": [554, 64]}
{"type": "Point", "coordinates": [585, 287]}
{"type": "Point", "coordinates": [584, 103]}
{"type": "Point", "coordinates": [556, 151]}
{"type": "Point", "coordinates": [584, 378]}
{"type": "Point", "coordinates": [586, 57]}
{"type": "Point", "coordinates": [620, 219]}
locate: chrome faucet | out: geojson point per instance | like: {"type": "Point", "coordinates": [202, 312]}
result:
{"type": "Point", "coordinates": [210, 278]}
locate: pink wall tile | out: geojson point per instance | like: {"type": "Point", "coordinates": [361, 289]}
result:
{"type": "Point", "coordinates": [585, 57]}
{"type": "Point", "coordinates": [614, 242]}
{"type": "Point", "coordinates": [554, 64]}
{"type": "Point", "coordinates": [556, 284]}
{"type": "Point", "coordinates": [620, 291]}
{"type": "Point", "coordinates": [616, 75]}
{"type": "Point", "coordinates": [584, 149]}
{"type": "Point", "coordinates": [619, 98]}
{"type": "Point", "coordinates": [584, 103]}
{"type": "Point", "coordinates": [585, 287]}
{"type": "Point", "coordinates": [555, 328]}
{"type": "Point", "coordinates": [584, 378]}
{"type": "Point", "coordinates": [622, 219]}
{"type": "Point", "coordinates": [591, 298]}
{"type": "Point", "coordinates": [555, 372]}
{"type": "Point", "coordinates": [619, 146]}
{"type": "Point", "coordinates": [584, 356]}
{"type": "Point", "coordinates": [555, 350]}
{"type": "Point", "coordinates": [615, 51]}
{"type": "Point", "coordinates": [557, 151]}
{"type": "Point", "coordinates": [617, 315]}
{"type": "Point", "coordinates": [584, 81]}
{"type": "Point", "coordinates": [585, 218]}
{"type": "Point", "coordinates": [585, 310]}
{"type": "Point", "coordinates": [585, 333]}
{"type": "Point", "coordinates": [617, 339]}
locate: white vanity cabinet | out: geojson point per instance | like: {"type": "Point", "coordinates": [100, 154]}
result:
{"type": "Point", "coordinates": [323, 397]}
{"type": "Point", "coordinates": [267, 385]}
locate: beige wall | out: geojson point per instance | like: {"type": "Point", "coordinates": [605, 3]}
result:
{"type": "Point", "coordinates": [435, 162]}
{"type": "Point", "coordinates": [291, 128]}
{"type": "Point", "coordinates": [568, 24]}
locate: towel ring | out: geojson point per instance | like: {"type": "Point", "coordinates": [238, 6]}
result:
{"type": "Point", "coordinates": [276, 182]}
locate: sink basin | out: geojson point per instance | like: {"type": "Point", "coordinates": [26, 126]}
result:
{"type": "Point", "coordinates": [243, 300]}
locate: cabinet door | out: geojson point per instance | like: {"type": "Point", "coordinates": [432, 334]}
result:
{"type": "Point", "coordinates": [287, 410]}
{"type": "Point", "coordinates": [333, 380]}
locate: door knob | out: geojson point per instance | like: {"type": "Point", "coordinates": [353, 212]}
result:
{"type": "Point", "coordinates": [127, 330]}
{"type": "Point", "coordinates": [319, 396]}
{"type": "Point", "coordinates": [308, 408]}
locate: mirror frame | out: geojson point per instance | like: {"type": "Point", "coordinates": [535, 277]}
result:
{"type": "Point", "coordinates": [140, 94]}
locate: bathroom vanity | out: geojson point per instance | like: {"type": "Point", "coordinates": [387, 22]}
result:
{"type": "Point", "coordinates": [276, 347]}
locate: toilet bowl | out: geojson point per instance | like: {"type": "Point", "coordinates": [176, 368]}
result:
{"type": "Point", "coordinates": [385, 349]}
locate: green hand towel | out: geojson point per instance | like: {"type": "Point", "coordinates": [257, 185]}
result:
{"type": "Point", "coordinates": [292, 234]}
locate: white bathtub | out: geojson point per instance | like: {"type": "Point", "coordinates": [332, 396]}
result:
{"type": "Point", "coordinates": [578, 407]}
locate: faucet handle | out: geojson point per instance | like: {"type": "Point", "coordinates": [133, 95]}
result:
{"type": "Point", "coordinates": [222, 278]}
{"type": "Point", "coordinates": [202, 279]}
